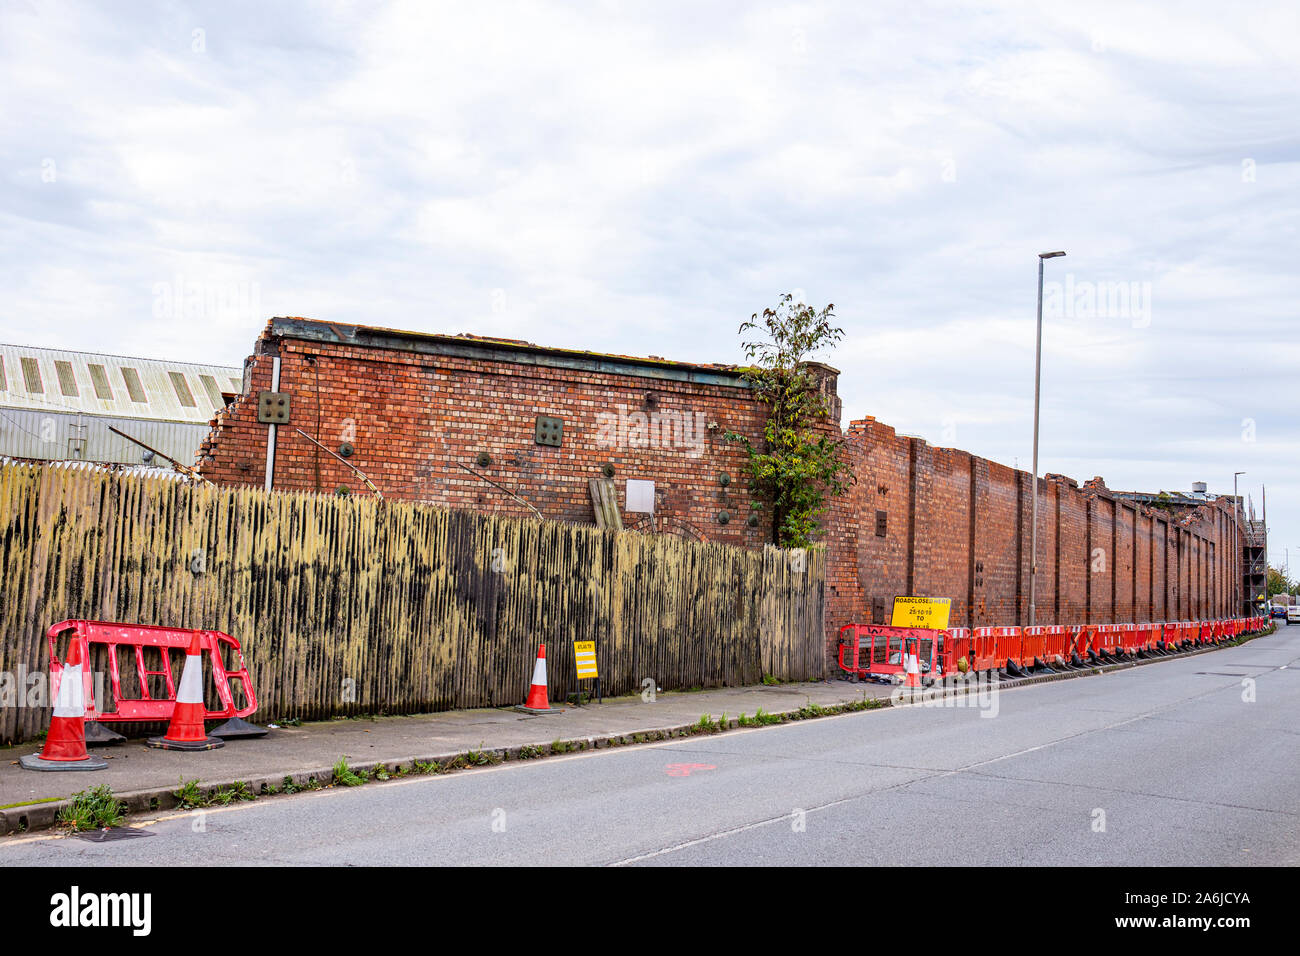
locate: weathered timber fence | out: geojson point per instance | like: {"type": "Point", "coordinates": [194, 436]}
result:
{"type": "Point", "coordinates": [351, 605]}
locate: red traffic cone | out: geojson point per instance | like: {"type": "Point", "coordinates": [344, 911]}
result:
{"type": "Point", "coordinates": [537, 702]}
{"type": "Point", "coordinates": [185, 732]}
{"type": "Point", "coordinates": [65, 744]}
{"type": "Point", "coordinates": [911, 667]}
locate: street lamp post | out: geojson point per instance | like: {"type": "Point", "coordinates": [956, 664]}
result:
{"type": "Point", "coordinates": [1033, 520]}
{"type": "Point", "coordinates": [1236, 548]}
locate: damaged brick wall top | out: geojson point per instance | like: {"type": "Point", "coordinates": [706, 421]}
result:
{"type": "Point", "coordinates": [411, 414]}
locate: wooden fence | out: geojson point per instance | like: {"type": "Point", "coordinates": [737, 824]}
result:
{"type": "Point", "coordinates": [352, 605]}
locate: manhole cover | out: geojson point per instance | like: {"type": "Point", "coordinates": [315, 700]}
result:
{"type": "Point", "coordinates": [108, 836]}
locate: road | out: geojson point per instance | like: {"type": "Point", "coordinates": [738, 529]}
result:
{"type": "Point", "coordinates": [1183, 762]}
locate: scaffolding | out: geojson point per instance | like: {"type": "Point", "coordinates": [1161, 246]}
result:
{"type": "Point", "coordinates": [1254, 565]}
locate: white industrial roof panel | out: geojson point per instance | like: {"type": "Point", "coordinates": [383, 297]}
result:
{"type": "Point", "coordinates": [96, 384]}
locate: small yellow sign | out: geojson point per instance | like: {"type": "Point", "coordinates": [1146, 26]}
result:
{"type": "Point", "coordinates": [584, 653]}
{"type": "Point", "coordinates": [921, 612]}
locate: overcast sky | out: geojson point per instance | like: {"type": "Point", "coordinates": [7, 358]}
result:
{"type": "Point", "coordinates": [591, 177]}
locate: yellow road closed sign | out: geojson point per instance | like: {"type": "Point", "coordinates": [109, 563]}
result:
{"type": "Point", "coordinates": [584, 653]}
{"type": "Point", "coordinates": [921, 612]}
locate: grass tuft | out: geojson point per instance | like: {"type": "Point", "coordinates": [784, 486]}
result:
{"type": "Point", "coordinates": [93, 809]}
{"type": "Point", "coordinates": [347, 776]}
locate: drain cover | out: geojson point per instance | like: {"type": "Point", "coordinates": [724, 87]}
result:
{"type": "Point", "coordinates": [109, 835]}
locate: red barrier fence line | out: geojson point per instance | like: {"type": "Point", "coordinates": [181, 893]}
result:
{"type": "Point", "coordinates": [983, 648]}
{"type": "Point", "coordinates": [162, 639]}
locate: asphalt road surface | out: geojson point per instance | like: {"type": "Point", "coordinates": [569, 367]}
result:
{"type": "Point", "coordinates": [1183, 762]}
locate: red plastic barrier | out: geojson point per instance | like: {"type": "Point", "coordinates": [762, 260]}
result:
{"type": "Point", "coordinates": [1154, 632]}
{"type": "Point", "coordinates": [1008, 642]}
{"type": "Point", "coordinates": [1110, 638]}
{"type": "Point", "coordinates": [1033, 644]}
{"type": "Point", "coordinates": [957, 644]}
{"type": "Point", "coordinates": [883, 647]}
{"type": "Point", "coordinates": [986, 650]}
{"type": "Point", "coordinates": [1127, 639]}
{"type": "Point", "coordinates": [850, 650]}
{"type": "Point", "coordinates": [1141, 634]}
{"type": "Point", "coordinates": [1082, 640]}
{"type": "Point", "coordinates": [1135, 639]}
{"type": "Point", "coordinates": [138, 638]}
{"type": "Point", "coordinates": [1058, 644]}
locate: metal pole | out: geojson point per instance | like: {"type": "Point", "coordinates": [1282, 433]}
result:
{"type": "Point", "coordinates": [270, 429]}
{"type": "Point", "coordinates": [1263, 503]}
{"type": "Point", "coordinates": [1236, 548]}
{"type": "Point", "coordinates": [1033, 520]}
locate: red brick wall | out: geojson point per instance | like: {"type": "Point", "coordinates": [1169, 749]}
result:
{"type": "Point", "coordinates": [1124, 597]}
{"type": "Point", "coordinates": [943, 543]}
{"type": "Point", "coordinates": [1101, 559]}
{"type": "Point", "coordinates": [1160, 610]}
{"type": "Point", "coordinates": [1070, 601]}
{"type": "Point", "coordinates": [1142, 568]}
{"type": "Point", "coordinates": [956, 525]}
{"type": "Point", "coordinates": [412, 418]}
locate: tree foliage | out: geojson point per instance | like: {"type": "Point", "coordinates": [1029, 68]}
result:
{"type": "Point", "coordinates": [797, 466]}
{"type": "Point", "coordinates": [1279, 583]}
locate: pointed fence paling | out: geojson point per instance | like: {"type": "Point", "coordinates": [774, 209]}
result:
{"type": "Point", "coordinates": [352, 605]}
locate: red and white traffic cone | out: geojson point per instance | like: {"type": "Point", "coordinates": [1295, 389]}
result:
{"type": "Point", "coordinates": [185, 732]}
{"type": "Point", "coordinates": [65, 744]}
{"type": "Point", "coordinates": [911, 670]}
{"type": "Point", "coordinates": [538, 702]}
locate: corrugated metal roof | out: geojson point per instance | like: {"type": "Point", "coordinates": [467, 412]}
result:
{"type": "Point", "coordinates": [53, 436]}
{"type": "Point", "coordinates": [91, 383]}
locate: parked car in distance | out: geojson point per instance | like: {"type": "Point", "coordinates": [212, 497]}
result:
{"type": "Point", "coordinates": [1277, 610]}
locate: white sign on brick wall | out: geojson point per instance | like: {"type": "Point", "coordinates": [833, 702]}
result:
{"type": "Point", "coordinates": [640, 496]}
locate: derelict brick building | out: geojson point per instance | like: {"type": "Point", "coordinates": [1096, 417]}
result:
{"type": "Point", "coordinates": [413, 411]}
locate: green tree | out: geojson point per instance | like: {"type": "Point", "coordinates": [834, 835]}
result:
{"type": "Point", "coordinates": [797, 465]}
{"type": "Point", "coordinates": [1279, 583]}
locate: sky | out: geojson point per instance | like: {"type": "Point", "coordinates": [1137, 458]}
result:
{"type": "Point", "coordinates": [641, 178]}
